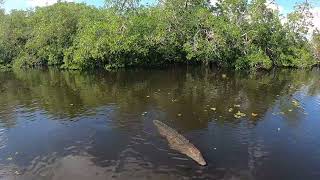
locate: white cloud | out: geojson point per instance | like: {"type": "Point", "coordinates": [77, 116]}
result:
{"type": "Point", "coordinates": [213, 2]}
{"type": "Point", "coordinates": [316, 17]}
{"type": "Point", "coordinates": [270, 4]}
{"type": "Point", "coordinates": [274, 6]}
{"type": "Point", "coordinates": [41, 3]}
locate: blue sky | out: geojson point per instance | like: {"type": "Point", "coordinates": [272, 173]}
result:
{"type": "Point", "coordinates": [286, 5]}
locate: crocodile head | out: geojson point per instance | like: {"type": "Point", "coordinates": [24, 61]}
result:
{"type": "Point", "coordinates": [196, 155]}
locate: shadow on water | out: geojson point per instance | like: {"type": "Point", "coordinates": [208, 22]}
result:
{"type": "Point", "coordinates": [63, 124]}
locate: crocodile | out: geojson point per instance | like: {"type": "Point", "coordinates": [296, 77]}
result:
{"type": "Point", "coordinates": [179, 143]}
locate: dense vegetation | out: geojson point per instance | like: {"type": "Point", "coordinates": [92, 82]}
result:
{"type": "Point", "coordinates": [240, 34]}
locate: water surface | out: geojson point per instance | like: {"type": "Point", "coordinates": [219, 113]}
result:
{"type": "Point", "coordinates": [62, 125]}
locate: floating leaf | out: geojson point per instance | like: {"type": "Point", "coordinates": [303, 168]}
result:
{"type": "Point", "coordinates": [148, 96]}
{"type": "Point", "coordinates": [254, 114]}
{"type": "Point", "coordinates": [236, 116]}
{"type": "Point", "coordinates": [239, 115]}
{"type": "Point", "coordinates": [179, 115]}
{"type": "Point", "coordinates": [295, 103]}
{"type": "Point", "coordinates": [213, 109]}
{"type": "Point", "coordinates": [290, 110]}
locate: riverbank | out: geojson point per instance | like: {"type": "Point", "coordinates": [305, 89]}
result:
{"type": "Point", "coordinates": [9, 68]}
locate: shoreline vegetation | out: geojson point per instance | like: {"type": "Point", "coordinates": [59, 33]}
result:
{"type": "Point", "coordinates": [238, 34]}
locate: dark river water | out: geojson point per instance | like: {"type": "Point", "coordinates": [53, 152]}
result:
{"type": "Point", "coordinates": [58, 125]}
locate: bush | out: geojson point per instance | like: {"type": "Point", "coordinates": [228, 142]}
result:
{"type": "Point", "coordinates": [255, 59]}
{"type": "Point", "coordinates": [298, 58]}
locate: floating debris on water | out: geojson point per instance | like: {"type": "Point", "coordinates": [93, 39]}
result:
{"type": "Point", "coordinates": [9, 158]}
{"type": "Point", "coordinates": [254, 114]}
{"type": "Point", "coordinates": [295, 103]}
{"type": "Point", "coordinates": [290, 110]}
{"type": "Point", "coordinates": [237, 105]}
{"type": "Point", "coordinates": [179, 115]}
{"type": "Point", "coordinates": [144, 113]}
{"type": "Point", "coordinates": [213, 109]}
{"type": "Point", "coordinates": [239, 115]}
{"type": "Point", "coordinates": [278, 129]}
{"type": "Point", "coordinates": [224, 76]}
{"type": "Point", "coordinates": [230, 109]}
{"type": "Point", "coordinates": [147, 96]}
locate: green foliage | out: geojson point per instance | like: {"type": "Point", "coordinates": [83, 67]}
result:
{"type": "Point", "coordinates": [241, 34]}
{"type": "Point", "coordinates": [316, 44]}
{"type": "Point", "coordinates": [54, 29]}
{"type": "Point", "coordinates": [113, 41]}
{"type": "Point", "coordinates": [297, 57]}
{"type": "Point", "coordinates": [255, 59]}
{"type": "Point", "coordinates": [300, 20]}
{"type": "Point", "coordinates": [14, 33]}
{"type": "Point", "coordinates": [122, 5]}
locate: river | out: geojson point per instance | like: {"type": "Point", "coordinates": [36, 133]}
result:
{"type": "Point", "coordinates": [63, 125]}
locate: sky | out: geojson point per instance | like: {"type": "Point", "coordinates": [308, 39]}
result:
{"type": "Point", "coordinates": [285, 6]}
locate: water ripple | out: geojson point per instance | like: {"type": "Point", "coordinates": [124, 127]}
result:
{"type": "Point", "coordinates": [3, 138]}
